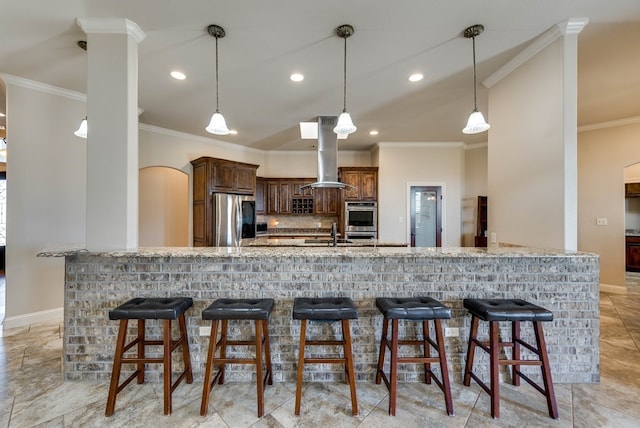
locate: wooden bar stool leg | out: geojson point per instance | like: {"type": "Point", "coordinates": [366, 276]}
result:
{"type": "Point", "coordinates": [117, 365]}
{"type": "Point", "coordinates": [206, 387]}
{"type": "Point", "coordinates": [443, 367]}
{"type": "Point", "coordinates": [348, 353]}
{"type": "Point", "coordinates": [267, 351]}
{"type": "Point", "coordinates": [186, 356]}
{"type": "Point", "coordinates": [471, 349]}
{"type": "Point", "coordinates": [383, 346]}
{"type": "Point", "coordinates": [427, 351]}
{"type": "Point", "coordinates": [141, 350]}
{"type": "Point", "coordinates": [259, 379]}
{"type": "Point", "coordinates": [546, 371]}
{"type": "Point", "coordinates": [515, 337]}
{"type": "Point", "coordinates": [223, 350]}
{"type": "Point", "coordinates": [494, 339]}
{"type": "Point", "coordinates": [303, 333]}
{"type": "Point", "coordinates": [167, 366]}
{"type": "Point", "coordinates": [393, 368]}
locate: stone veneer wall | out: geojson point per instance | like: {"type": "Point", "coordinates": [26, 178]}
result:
{"type": "Point", "coordinates": [565, 284]}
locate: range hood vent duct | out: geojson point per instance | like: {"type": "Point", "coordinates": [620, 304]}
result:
{"type": "Point", "coordinates": [327, 156]}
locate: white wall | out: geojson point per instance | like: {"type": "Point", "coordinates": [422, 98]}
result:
{"type": "Point", "coordinates": [46, 196]}
{"type": "Point", "coordinates": [475, 184]}
{"type": "Point", "coordinates": [404, 164]}
{"type": "Point", "coordinates": [603, 155]}
{"type": "Point", "coordinates": [526, 157]}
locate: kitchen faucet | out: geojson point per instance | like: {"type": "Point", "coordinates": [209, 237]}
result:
{"type": "Point", "coordinates": [334, 234]}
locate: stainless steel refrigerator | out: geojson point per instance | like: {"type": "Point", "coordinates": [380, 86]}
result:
{"type": "Point", "coordinates": [234, 219]}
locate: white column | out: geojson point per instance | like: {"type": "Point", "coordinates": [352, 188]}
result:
{"type": "Point", "coordinates": [112, 152]}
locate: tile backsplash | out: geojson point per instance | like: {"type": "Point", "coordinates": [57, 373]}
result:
{"type": "Point", "coordinates": [297, 221]}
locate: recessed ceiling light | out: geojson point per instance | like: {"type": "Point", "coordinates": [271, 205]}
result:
{"type": "Point", "coordinates": [373, 132]}
{"type": "Point", "coordinates": [233, 132]}
{"type": "Point", "coordinates": [416, 77]}
{"type": "Point", "coordinates": [178, 75]}
{"type": "Point", "coordinates": [297, 77]}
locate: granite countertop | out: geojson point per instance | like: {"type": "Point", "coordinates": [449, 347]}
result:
{"type": "Point", "coordinates": [284, 242]}
{"type": "Point", "coordinates": [317, 251]}
{"type": "Point", "coordinates": [632, 232]}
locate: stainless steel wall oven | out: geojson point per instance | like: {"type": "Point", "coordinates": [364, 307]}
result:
{"type": "Point", "coordinates": [361, 220]}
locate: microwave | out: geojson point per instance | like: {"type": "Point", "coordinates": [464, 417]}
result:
{"type": "Point", "coordinates": [360, 217]}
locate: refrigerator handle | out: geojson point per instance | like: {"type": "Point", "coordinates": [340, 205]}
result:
{"type": "Point", "coordinates": [238, 214]}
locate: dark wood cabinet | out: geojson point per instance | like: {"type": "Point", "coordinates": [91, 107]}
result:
{"type": "Point", "coordinates": [633, 253]}
{"type": "Point", "coordinates": [212, 175]}
{"type": "Point", "coordinates": [285, 197]}
{"type": "Point", "coordinates": [365, 181]}
{"type": "Point", "coordinates": [261, 193]}
{"type": "Point", "coordinates": [273, 197]}
{"type": "Point", "coordinates": [326, 201]}
{"type": "Point", "coordinates": [481, 222]}
{"type": "Point", "coordinates": [632, 190]}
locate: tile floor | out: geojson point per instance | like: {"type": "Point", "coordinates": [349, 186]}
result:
{"type": "Point", "coordinates": [33, 394]}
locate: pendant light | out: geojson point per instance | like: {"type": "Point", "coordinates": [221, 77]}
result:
{"type": "Point", "coordinates": [345, 124]}
{"type": "Point", "coordinates": [476, 122]}
{"type": "Point", "coordinates": [217, 125]}
{"type": "Point", "coordinates": [82, 129]}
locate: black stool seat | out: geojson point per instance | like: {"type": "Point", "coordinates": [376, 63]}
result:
{"type": "Point", "coordinates": [324, 308]}
{"type": "Point", "coordinates": [151, 308]}
{"type": "Point", "coordinates": [239, 309]}
{"type": "Point", "coordinates": [507, 310]}
{"type": "Point", "coordinates": [412, 308]}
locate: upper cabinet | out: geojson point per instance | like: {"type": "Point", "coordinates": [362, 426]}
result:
{"type": "Point", "coordinates": [365, 181]}
{"type": "Point", "coordinates": [286, 196]}
{"type": "Point", "coordinates": [632, 190]}
{"type": "Point", "coordinates": [223, 176]}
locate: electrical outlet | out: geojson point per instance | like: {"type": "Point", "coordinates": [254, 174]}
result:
{"type": "Point", "coordinates": [451, 332]}
{"type": "Point", "coordinates": [494, 238]}
{"type": "Point", "coordinates": [205, 331]}
{"type": "Point", "coordinates": [601, 221]}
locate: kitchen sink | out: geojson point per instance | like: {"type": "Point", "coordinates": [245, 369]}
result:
{"type": "Point", "coordinates": [327, 241]}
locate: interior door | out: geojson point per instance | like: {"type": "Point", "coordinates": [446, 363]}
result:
{"type": "Point", "coordinates": [426, 216]}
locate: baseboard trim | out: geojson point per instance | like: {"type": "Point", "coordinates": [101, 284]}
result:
{"type": "Point", "coordinates": [616, 289]}
{"type": "Point", "coordinates": [56, 314]}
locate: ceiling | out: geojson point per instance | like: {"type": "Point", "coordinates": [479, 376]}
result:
{"type": "Point", "coordinates": [266, 41]}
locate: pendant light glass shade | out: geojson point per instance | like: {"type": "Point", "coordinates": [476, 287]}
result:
{"type": "Point", "coordinates": [476, 123]}
{"type": "Point", "coordinates": [82, 130]}
{"type": "Point", "coordinates": [345, 124]}
{"type": "Point", "coordinates": [217, 125]}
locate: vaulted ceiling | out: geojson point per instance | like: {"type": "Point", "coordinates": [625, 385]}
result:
{"type": "Point", "coordinates": [266, 41]}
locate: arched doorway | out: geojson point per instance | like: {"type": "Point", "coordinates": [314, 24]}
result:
{"type": "Point", "coordinates": [163, 207]}
{"type": "Point", "coordinates": [632, 226]}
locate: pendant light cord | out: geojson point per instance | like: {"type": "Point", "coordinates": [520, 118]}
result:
{"type": "Point", "coordinates": [217, 96]}
{"type": "Point", "coordinates": [475, 101]}
{"type": "Point", "coordinates": [344, 86]}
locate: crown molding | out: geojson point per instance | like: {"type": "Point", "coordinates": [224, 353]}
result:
{"type": "Point", "coordinates": [418, 144]}
{"type": "Point", "coordinates": [111, 26]}
{"type": "Point", "coordinates": [610, 124]}
{"type": "Point", "coordinates": [571, 26]}
{"type": "Point", "coordinates": [42, 87]}
{"type": "Point", "coordinates": [185, 136]}
{"type": "Point", "coordinates": [476, 146]}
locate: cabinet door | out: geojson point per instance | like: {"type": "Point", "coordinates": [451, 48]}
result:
{"type": "Point", "coordinates": [273, 197]}
{"type": "Point", "coordinates": [260, 196]}
{"type": "Point", "coordinates": [285, 198]}
{"type": "Point", "coordinates": [318, 201]}
{"type": "Point", "coordinates": [368, 186]}
{"type": "Point", "coordinates": [351, 178]}
{"type": "Point", "coordinates": [245, 180]}
{"type": "Point", "coordinates": [296, 191]}
{"type": "Point", "coordinates": [223, 177]}
{"type": "Point", "coordinates": [332, 201]}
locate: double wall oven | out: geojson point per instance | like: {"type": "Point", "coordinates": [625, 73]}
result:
{"type": "Point", "coordinates": [361, 220]}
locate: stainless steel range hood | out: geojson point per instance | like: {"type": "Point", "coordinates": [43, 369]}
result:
{"type": "Point", "coordinates": [327, 156]}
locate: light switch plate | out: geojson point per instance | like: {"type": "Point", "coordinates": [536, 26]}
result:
{"type": "Point", "coordinates": [601, 221]}
{"type": "Point", "coordinates": [451, 332]}
{"type": "Point", "coordinates": [205, 331]}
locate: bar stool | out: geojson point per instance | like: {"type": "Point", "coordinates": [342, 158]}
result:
{"type": "Point", "coordinates": [328, 309]}
{"type": "Point", "coordinates": [413, 309]}
{"type": "Point", "coordinates": [142, 309]}
{"type": "Point", "coordinates": [514, 311]}
{"type": "Point", "coordinates": [220, 312]}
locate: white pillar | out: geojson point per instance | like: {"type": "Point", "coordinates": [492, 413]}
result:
{"type": "Point", "coordinates": [112, 152]}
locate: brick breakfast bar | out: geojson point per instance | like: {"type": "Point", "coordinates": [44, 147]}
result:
{"type": "Point", "coordinates": [567, 283]}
